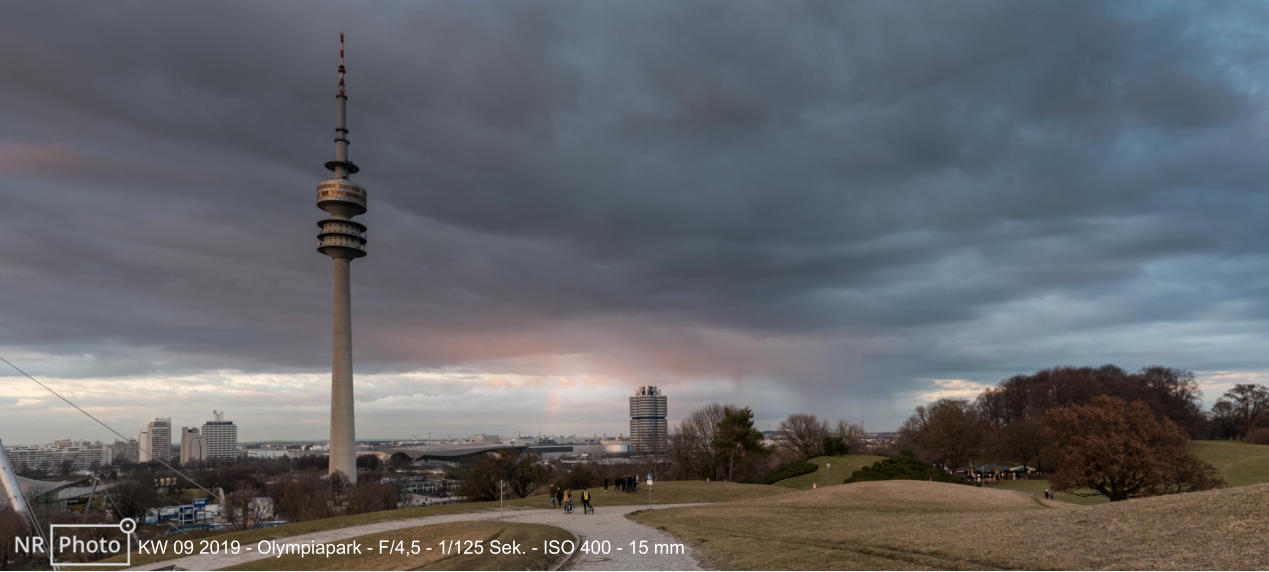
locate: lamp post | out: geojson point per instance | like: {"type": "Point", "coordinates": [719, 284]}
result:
{"type": "Point", "coordinates": [828, 477]}
{"type": "Point", "coordinates": [501, 513]}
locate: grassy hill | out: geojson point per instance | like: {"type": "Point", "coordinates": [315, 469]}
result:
{"type": "Point", "coordinates": [842, 467]}
{"type": "Point", "coordinates": [917, 524]}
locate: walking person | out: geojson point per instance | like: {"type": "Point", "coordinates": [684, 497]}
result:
{"type": "Point", "coordinates": [586, 508]}
{"type": "Point", "coordinates": [559, 496]}
{"type": "Point", "coordinates": [568, 501]}
{"type": "Point", "coordinates": [552, 495]}
{"type": "Point", "coordinates": [605, 484]}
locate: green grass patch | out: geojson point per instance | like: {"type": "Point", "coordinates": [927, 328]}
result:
{"type": "Point", "coordinates": [1238, 462]}
{"type": "Point", "coordinates": [1036, 489]}
{"type": "Point", "coordinates": [843, 466]}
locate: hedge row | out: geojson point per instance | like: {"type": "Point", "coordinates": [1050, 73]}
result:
{"type": "Point", "coordinates": [790, 470]}
{"type": "Point", "coordinates": [902, 467]}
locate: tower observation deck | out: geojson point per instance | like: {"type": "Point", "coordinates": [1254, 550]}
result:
{"type": "Point", "coordinates": [343, 240]}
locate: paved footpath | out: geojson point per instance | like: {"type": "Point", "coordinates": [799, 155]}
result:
{"type": "Point", "coordinates": [607, 523]}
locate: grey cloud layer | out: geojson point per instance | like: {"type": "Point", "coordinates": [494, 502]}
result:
{"type": "Point", "coordinates": [840, 198]}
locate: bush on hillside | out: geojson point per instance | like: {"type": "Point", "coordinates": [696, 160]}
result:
{"type": "Point", "coordinates": [790, 470]}
{"type": "Point", "coordinates": [835, 446]}
{"type": "Point", "coordinates": [901, 467]}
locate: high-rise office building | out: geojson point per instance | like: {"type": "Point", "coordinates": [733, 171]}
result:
{"type": "Point", "coordinates": [155, 442]}
{"type": "Point", "coordinates": [220, 439]}
{"type": "Point", "coordinates": [191, 445]}
{"type": "Point", "coordinates": [648, 411]}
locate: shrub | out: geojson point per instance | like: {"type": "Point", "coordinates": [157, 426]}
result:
{"type": "Point", "coordinates": [902, 467]}
{"type": "Point", "coordinates": [788, 471]}
{"type": "Point", "coordinates": [1259, 436]}
{"type": "Point", "coordinates": [836, 446]}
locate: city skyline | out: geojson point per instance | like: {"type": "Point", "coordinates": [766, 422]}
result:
{"type": "Point", "coordinates": [844, 210]}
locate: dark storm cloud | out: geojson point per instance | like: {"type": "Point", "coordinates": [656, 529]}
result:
{"type": "Point", "coordinates": [842, 197]}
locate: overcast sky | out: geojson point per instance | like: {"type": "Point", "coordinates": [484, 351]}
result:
{"type": "Point", "coordinates": [840, 208]}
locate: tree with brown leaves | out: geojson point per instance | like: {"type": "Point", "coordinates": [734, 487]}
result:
{"type": "Point", "coordinates": [1122, 450]}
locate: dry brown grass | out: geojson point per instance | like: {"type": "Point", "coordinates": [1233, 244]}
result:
{"type": "Point", "coordinates": [923, 525]}
{"type": "Point", "coordinates": [528, 535]}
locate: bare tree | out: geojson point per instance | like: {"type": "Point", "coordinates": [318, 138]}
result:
{"type": "Point", "coordinates": [804, 434]}
{"type": "Point", "coordinates": [949, 432]}
{"type": "Point", "coordinates": [371, 496]}
{"type": "Point", "coordinates": [1244, 407]}
{"type": "Point", "coordinates": [852, 434]}
{"type": "Point", "coordinates": [133, 497]}
{"type": "Point", "coordinates": [306, 498]}
{"type": "Point", "coordinates": [12, 526]}
{"type": "Point", "coordinates": [690, 444]}
{"type": "Point", "coordinates": [246, 508]}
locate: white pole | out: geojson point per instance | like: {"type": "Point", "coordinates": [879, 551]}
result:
{"type": "Point", "coordinates": [828, 477]}
{"type": "Point", "coordinates": [501, 512]}
{"type": "Point", "coordinates": [9, 480]}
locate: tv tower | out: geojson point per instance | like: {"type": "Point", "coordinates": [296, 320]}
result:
{"type": "Point", "coordinates": [342, 240]}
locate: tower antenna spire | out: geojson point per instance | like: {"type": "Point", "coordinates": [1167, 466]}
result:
{"type": "Point", "coordinates": [341, 65]}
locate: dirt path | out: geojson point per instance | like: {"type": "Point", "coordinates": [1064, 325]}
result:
{"type": "Point", "coordinates": [608, 523]}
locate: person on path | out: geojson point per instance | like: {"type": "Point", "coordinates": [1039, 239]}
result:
{"type": "Point", "coordinates": [586, 508]}
{"type": "Point", "coordinates": [568, 500]}
{"type": "Point", "coordinates": [559, 497]}
{"type": "Point", "coordinates": [552, 494]}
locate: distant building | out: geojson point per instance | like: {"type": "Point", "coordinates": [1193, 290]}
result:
{"type": "Point", "coordinates": [220, 439]}
{"type": "Point", "coordinates": [483, 438]}
{"type": "Point", "coordinates": [156, 441]}
{"type": "Point", "coordinates": [124, 451]}
{"type": "Point", "coordinates": [77, 455]}
{"type": "Point", "coordinates": [191, 445]}
{"type": "Point", "coordinates": [648, 431]}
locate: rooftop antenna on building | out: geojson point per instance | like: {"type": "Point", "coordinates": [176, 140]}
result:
{"type": "Point", "coordinates": [219, 415]}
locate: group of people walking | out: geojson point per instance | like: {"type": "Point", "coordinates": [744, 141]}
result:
{"type": "Point", "coordinates": [562, 498]}
{"type": "Point", "coordinates": [626, 484]}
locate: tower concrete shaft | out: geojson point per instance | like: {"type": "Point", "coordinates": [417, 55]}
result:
{"type": "Point", "coordinates": [343, 442]}
{"type": "Point", "coordinates": [343, 240]}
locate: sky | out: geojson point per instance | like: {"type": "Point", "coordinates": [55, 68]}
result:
{"type": "Point", "coordinates": [838, 208]}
